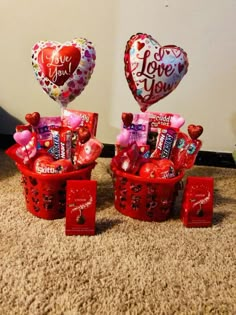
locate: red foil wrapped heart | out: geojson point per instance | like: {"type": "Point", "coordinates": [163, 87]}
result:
{"type": "Point", "coordinates": [153, 168]}
{"type": "Point", "coordinates": [33, 118]}
{"type": "Point", "coordinates": [127, 119]}
{"type": "Point", "coordinates": [195, 131]}
{"type": "Point", "coordinates": [83, 134]}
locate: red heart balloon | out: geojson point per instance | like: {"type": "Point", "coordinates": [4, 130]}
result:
{"type": "Point", "coordinates": [59, 65]}
{"type": "Point", "coordinates": [152, 71]}
{"type": "Point", "coordinates": [33, 119]}
{"type": "Point", "coordinates": [63, 70]}
{"type": "Point", "coordinates": [195, 131]}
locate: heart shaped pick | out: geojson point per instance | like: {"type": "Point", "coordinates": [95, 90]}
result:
{"type": "Point", "coordinates": [177, 121]}
{"type": "Point", "coordinates": [153, 71]}
{"type": "Point", "coordinates": [33, 119]}
{"type": "Point", "coordinates": [22, 137]}
{"type": "Point", "coordinates": [123, 138]}
{"type": "Point", "coordinates": [63, 70]}
{"type": "Point", "coordinates": [195, 131]}
{"type": "Point", "coordinates": [74, 121]}
{"type": "Point", "coordinates": [127, 119]}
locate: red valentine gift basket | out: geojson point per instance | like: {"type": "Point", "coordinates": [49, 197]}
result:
{"type": "Point", "coordinates": [45, 194]}
{"type": "Point", "coordinates": [147, 177]}
{"type": "Point", "coordinates": [50, 152]}
{"type": "Point", "coordinates": [148, 200]}
{"type": "Point", "coordinates": [151, 151]}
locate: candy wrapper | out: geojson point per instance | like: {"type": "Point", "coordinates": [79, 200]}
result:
{"type": "Point", "coordinates": [159, 122]}
{"type": "Point", "coordinates": [164, 143]}
{"type": "Point", "coordinates": [43, 130]}
{"type": "Point", "coordinates": [76, 118]}
{"type": "Point", "coordinates": [136, 131]}
{"type": "Point", "coordinates": [87, 153]}
{"type": "Point", "coordinates": [129, 159]}
{"type": "Point", "coordinates": [185, 151]}
{"type": "Point", "coordinates": [61, 143]}
{"type": "Point", "coordinates": [157, 169]}
{"type": "Point", "coordinates": [45, 164]}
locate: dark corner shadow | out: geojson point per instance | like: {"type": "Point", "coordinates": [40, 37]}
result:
{"type": "Point", "coordinates": [8, 122]}
{"type": "Point", "coordinates": [103, 225]}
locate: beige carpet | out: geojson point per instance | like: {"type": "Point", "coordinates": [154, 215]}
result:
{"type": "Point", "coordinates": [128, 267]}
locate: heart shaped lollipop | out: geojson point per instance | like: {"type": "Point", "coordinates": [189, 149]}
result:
{"type": "Point", "coordinates": [177, 121]}
{"type": "Point", "coordinates": [63, 70]}
{"type": "Point", "coordinates": [74, 121]}
{"type": "Point", "coordinates": [195, 131]}
{"type": "Point", "coordinates": [22, 137]}
{"type": "Point", "coordinates": [127, 119]}
{"type": "Point", "coordinates": [153, 71]}
{"type": "Point", "coordinates": [33, 118]}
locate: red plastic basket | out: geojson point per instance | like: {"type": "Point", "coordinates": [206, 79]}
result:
{"type": "Point", "coordinates": [147, 200]}
{"type": "Point", "coordinates": [45, 194]}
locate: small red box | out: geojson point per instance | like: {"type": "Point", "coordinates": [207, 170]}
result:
{"type": "Point", "coordinates": [80, 207]}
{"type": "Point", "coordinates": [197, 203]}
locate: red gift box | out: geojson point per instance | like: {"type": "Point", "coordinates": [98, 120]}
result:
{"type": "Point", "coordinates": [80, 207]}
{"type": "Point", "coordinates": [197, 203]}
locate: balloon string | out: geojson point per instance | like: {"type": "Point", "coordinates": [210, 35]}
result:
{"type": "Point", "coordinates": [26, 150]}
{"type": "Point", "coordinates": [62, 113]}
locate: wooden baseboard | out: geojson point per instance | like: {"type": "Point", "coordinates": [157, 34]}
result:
{"type": "Point", "coordinates": [204, 158]}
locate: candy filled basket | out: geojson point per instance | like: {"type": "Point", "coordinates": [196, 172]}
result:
{"type": "Point", "coordinates": [48, 152]}
{"type": "Point", "coordinates": [149, 164]}
{"type": "Point", "coordinates": [45, 194]}
{"type": "Point", "coordinates": [145, 199]}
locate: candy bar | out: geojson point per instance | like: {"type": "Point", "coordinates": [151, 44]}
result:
{"type": "Point", "coordinates": [164, 144]}
{"type": "Point", "coordinates": [43, 130]}
{"type": "Point", "coordinates": [185, 151]}
{"type": "Point", "coordinates": [61, 143]}
{"type": "Point", "coordinates": [87, 153]}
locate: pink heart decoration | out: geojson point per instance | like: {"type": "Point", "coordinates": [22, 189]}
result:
{"type": "Point", "coordinates": [123, 138]}
{"type": "Point", "coordinates": [63, 70]}
{"type": "Point", "coordinates": [153, 71]}
{"type": "Point", "coordinates": [74, 121]}
{"type": "Point", "coordinates": [177, 121]}
{"type": "Point", "coordinates": [22, 137]}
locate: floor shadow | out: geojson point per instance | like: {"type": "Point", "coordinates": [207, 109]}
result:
{"type": "Point", "coordinates": [219, 217]}
{"type": "Point", "coordinates": [221, 199]}
{"type": "Point", "coordinates": [105, 195]}
{"type": "Point", "coordinates": [103, 225]}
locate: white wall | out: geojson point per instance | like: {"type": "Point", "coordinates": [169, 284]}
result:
{"type": "Point", "coordinates": [203, 28]}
